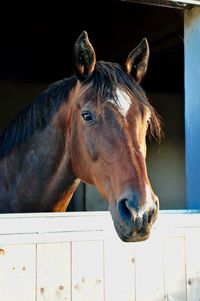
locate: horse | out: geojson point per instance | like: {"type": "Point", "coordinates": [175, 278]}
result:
{"type": "Point", "coordinates": [91, 127]}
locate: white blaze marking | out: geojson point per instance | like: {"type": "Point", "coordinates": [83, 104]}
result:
{"type": "Point", "coordinates": [149, 200]}
{"type": "Point", "coordinates": [123, 101]}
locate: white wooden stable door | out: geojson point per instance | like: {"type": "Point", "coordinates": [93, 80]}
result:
{"type": "Point", "coordinates": [79, 257]}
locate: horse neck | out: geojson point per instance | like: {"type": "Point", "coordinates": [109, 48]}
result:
{"type": "Point", "coordinates": [37, 175]}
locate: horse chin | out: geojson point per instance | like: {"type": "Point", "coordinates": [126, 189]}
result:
{"type": "Point", "coordinates": [125, 233]}
{"type": "Point", "coordinates": [131, 237]}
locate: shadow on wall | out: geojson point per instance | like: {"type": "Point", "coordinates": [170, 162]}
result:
{"type": "Point", "coordinates": [166, 169]}
{"type": "Point", "coordinates": [14, 96]}
{"type": "Point", "coordinates": [166, 161]}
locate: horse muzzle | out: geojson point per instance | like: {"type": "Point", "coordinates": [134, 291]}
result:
{"type": "Point", "coordinates": [131, 222]}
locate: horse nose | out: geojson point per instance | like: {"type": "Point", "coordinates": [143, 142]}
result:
{"type": "Point", "coordinates": [138, 218]}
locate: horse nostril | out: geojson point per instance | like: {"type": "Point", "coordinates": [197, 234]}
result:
{"type": "Point", "coordinates": [123, 210]}
{"type": "Point", "coordinates": [135, 217]}
{"type": "Point", "coordinates": [128, 213]}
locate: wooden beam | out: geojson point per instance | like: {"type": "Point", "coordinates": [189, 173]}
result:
{"type": "Point", "coordinates": [180, 4]}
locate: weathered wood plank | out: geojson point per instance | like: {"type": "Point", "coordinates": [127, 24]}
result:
{"type": "Point", "coordinates": [53, 272]}
{"type": "Point", "coordinates": [174, 269]}
{"type": "Point", "coordinates": [47, 223]}
{"type": "Point", "coordinates": [193, 265]}
{"type": "Point", "coordinates": [87, 271]}
{"type": "Point", "coordinates": [17, 273]}
{"type": "Point", "coordinates": [149, 270]}
{"type": "Point", "coordinates": [119, 270]}
{"type": "Point", "coordinates": [52, 227]}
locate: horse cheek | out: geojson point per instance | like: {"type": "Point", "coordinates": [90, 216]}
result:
{"type": "Point", "coordinates": [80, 160]}
{"type": "Point", "coordinates": [91, 144]}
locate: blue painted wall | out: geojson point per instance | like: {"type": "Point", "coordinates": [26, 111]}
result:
{"type": "Point", "coordinates": [192, 106]}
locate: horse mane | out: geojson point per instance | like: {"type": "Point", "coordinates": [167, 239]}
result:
{"type": "Point", "coordinates": [103, 83]}
{"type": "Point", "coordinates": [36, 116]}
{"type": "Point", "coordinates": [108, 76]}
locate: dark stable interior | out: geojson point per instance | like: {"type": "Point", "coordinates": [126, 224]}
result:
{"type": "Point", "coordinates": [36, 42]}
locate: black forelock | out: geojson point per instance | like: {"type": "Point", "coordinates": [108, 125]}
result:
{"type": "Point", "coordinates": [103, 83]}
{"type": "Point", "coordinates": [105, 80]}
{"type": "Point", "coordinates": [108, 76]}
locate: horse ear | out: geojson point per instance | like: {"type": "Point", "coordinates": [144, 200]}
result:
{"type": "Point", "coordinates": [84, 58]}
{"type": "Point", "coordinates": [137, 61]}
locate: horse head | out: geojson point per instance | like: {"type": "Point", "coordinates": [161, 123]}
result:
{"type": "Point", "coordinates": [109, 120]}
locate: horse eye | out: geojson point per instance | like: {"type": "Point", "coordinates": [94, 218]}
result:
{"type": "Point", "coordinates": [87, 116]}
